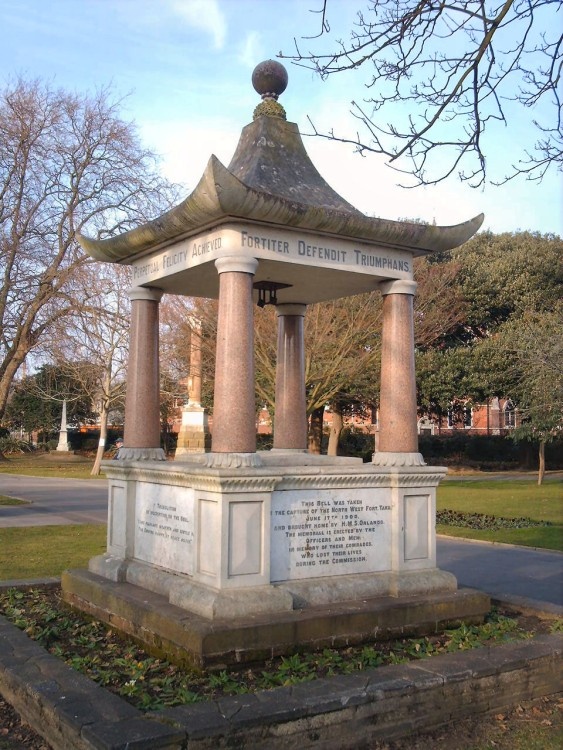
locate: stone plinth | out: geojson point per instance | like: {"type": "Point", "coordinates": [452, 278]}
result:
{"type": "Point", "coordinates": [194, 435]}
{"type": "Point", "coordinates": [185, 638]}
{"type": "Point", "coordinates": [291, 533]}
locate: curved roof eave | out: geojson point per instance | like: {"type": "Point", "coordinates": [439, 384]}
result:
{"type": "Point", "coordinates": [220, 197]}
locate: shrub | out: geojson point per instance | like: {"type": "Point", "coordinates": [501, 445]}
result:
{"type": "Point", "coordinates": [264, 442]}
{"type": "Point", "coordinates": [357, 443]}
{"type": "Point", "coordinates": [12, 446]}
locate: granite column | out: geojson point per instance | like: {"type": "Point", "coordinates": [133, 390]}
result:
{"type": "Point", "coordinates": [398, 438]}
{"type": "Point", "coordinates": [290, 424]}
{"type": "Point", "coordinates": [234, 410]}
{"type": "Point", "coordinates": [142, 402]}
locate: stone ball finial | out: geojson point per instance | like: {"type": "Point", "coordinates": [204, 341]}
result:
{"type": "Point", "coordinates": [269, 79]}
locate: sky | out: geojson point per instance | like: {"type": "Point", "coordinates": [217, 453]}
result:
{"type": "Point", "coordinates": [184, 67]}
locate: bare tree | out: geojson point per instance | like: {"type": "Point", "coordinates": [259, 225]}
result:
{"type": "Point", "coordinates": [97, 333]}
{"type": "Point", "coordinates": [68, 163]}
{"type": "Point", "coordinates": [443, 74]}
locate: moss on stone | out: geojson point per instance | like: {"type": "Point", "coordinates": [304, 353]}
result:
{"type": "Point", "coordinates": [269, 108]}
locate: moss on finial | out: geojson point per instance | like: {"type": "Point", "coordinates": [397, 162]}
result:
{"type": "Point", "coordinates": [269, 108]}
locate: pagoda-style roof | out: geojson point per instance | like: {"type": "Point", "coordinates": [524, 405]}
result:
{"type": "Point", "coordinates": [272, 182]}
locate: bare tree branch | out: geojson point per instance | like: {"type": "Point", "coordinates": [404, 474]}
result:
{"type": "Point", "coordinates": [443, 74]}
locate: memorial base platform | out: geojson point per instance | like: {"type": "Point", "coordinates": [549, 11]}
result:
{"type": "Point", "coordinates": [187, 639]}
{"type": "Point", "coordinates": [223, 559]}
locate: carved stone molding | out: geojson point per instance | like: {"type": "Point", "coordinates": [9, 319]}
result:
{"type": "Point", "coordinates": [141, 454]}
{"type": "Point", "coordinates": [384, 458]}
{"type": "Point", "coordinates": [230, 460]}
{"type": "Point", "coordinates": [194, 477]}
{"type": "Point", "coordinates": [421, 480]}
{"type": "Point", "coordinates": [327, 481]}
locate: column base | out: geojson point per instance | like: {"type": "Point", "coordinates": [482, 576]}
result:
{"type": "Point", "coordinates": [289, 450]}
{"type": "Point", "coordinates": [230, 460]}
{"type": "Point", "coordinates": [388, 458]}
{"type": "Point", "coordinates": [140, 454]}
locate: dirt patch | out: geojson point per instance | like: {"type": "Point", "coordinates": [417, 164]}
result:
{"type": "Point", "coordinates": [16, 734]}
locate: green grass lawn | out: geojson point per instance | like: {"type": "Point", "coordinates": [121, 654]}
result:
{"type": "Point", "coordinates": [507, 499]}
{"type": "Point", "coordinates": [40, 551]}
{"type": "Point", "coordinates": [6, 500]}
{"type": "Point", "coordinates": [40, 466]}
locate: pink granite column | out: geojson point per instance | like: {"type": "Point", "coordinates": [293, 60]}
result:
{"type": "Point", "coordinates": [234, 409]}
{"type": "Point", "coordinates": [142, 401]}
{"type": "Point", "coordinates": [398, 438]}
{"type": "Point", "coordinates": [290, 424]}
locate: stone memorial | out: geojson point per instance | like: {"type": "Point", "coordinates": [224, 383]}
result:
{"type": "Point", "coordinates": [232, 554]}
{"type": "Point", "coordinates": [194, 436]}
{"type": "Point", "coordinates": [62, 445]}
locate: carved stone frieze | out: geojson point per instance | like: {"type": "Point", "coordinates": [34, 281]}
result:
{"type": "Point", "coordinates": [230, 460]}
{"type": "Point", "coordinates": [330, 481]}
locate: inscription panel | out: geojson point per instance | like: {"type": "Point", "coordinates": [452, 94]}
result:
{"type": "Point", "coordinates": [330, 532]}
{"type": "Point", "coordinates": [164, 529]}
{"type": "Point", "coordinates": [274, 244]}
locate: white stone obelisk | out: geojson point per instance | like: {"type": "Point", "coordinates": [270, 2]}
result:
{"type": "Point", "coordinates": [63, 445]}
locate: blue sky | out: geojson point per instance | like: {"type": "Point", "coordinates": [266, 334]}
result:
{"type": "Point", "coordinates": [185, 66]}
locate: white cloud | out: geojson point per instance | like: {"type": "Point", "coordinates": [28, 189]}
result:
{"type": "Point", "coordinates": [185, 148]}
{"type": "Point", "coordinates": [205, 15]}
{"type": "Point", "coordinates": [251, 50]}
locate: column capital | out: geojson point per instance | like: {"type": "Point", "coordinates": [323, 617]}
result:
{"type": "Point", "coordinates": [236, 264]}
{"type": "Point", "coordinates": [398, 286]}
{"type": "Point", "coordinates": [145, 292]}
{"type": "Point", "coordinates": [290, 308]}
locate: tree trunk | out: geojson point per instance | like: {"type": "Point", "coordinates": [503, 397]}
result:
{"type": "Point", "coordinates": [102, 443]}
{"type": "Point", "coordinates": [335, 430]}
{"type": "Point", "coordinates": [316, 430]}
{"type": "Point", "coordinates": [541, 469]}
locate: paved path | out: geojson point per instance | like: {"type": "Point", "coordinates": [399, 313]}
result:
{"type": "Point", "coordinates": [53, 502]}
{"type": "Point", "coordinates": [500, 570]}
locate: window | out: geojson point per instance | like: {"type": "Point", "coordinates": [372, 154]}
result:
{"type": "Point", "coordinates": [467, 417]}
{"type": "Point", "coordinates": [509, 415]}
{"type": "Point", "coordinates": [460, 415]}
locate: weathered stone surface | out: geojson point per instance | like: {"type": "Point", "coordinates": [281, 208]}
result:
{"type": "Point", "coordinates": [192, 639]}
